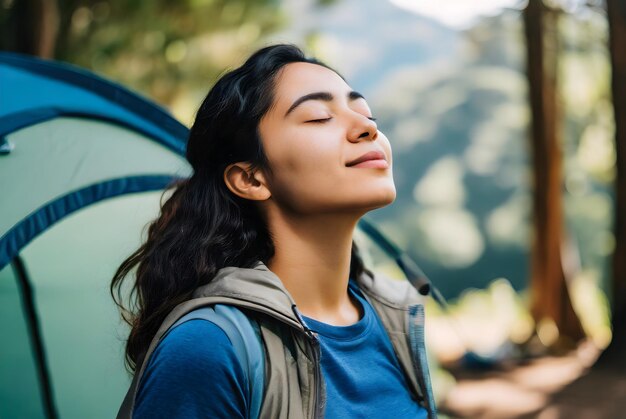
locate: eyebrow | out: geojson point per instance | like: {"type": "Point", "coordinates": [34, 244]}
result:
{"type": "Point", "coordinates": [323, 96]}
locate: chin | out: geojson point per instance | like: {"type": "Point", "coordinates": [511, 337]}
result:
{"type": "Point", "coordinates": [355, 199]}
{"type": "Point", "coordinates": [379, 199]}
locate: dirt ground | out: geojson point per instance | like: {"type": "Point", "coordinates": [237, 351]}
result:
{"type": "Point", "coordinates": [573, 386]}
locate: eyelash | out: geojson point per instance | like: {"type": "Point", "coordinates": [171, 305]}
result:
{"type": "Point", "coordinates": [321, 121]}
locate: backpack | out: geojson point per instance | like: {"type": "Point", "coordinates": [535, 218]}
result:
{"type": "Point", "coordinates": [245, 335]}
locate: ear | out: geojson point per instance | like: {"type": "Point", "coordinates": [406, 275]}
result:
{"type": "Point", "coordinates": [246, 183]}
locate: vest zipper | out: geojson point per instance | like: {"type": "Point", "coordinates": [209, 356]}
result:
{"type": "Point", "coordinates": [418, 352]}
{"type": "Point", "coordinates": [318, 405]}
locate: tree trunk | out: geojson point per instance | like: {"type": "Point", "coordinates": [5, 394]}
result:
{"type": "Point", "coordinates": [616, 12]}
{"type": "Point", "coordinates": [32, 28]}
{"type": "Point", "coordinates": [548, 287]}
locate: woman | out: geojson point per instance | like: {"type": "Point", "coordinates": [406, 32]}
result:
{"type": "Point", "coordinates": [286, 159]}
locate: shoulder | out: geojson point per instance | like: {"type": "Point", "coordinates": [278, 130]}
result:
{"type": "Point", "coordinates": [196, 344]}
{"type": "Point", "coordinates": [193, 372]}
{"type": "Point", "coordinates": [190, 355]}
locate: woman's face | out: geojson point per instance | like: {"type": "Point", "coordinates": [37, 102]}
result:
{"type": "Point", "coordinates": [316, 126]}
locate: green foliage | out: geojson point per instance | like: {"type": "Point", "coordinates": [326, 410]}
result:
{"type": "Point", "coordinates": [326, 2]}
{"type": "Point", "coordinates": [162, 48]}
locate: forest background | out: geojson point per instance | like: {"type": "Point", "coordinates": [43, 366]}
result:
{"type": "Point", "coordinates": [505, 118]}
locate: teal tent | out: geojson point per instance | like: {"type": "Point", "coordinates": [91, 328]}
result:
{"type": "Point", "coordinates": [83, 164]}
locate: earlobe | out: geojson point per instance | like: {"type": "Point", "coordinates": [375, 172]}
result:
{"type": "Point", "coordinates": [246, 183]}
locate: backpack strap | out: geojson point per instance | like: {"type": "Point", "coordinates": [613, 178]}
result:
{"type": "Point", "coordinates": [245, 335]}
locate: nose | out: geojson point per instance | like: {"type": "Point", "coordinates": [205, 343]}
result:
{"type": "Point", "coordinates": [363, 128]}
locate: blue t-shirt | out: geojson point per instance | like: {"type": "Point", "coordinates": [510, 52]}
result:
{"type": "Point", "coordinates": [194, 373]}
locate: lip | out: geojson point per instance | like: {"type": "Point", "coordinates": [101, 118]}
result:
{"type": "Point", "coordinates": [374, 164]}
{"type": "Point", "coordinates": [369, 156]}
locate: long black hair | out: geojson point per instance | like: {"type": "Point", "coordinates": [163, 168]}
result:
{"type": "Point", "coordinates": [203, 227]}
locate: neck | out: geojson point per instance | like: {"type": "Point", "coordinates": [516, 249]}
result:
{"type": "Point", "coordinates": [312, 259]}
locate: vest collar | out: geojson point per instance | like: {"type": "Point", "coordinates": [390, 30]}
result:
{"type": "Point", "coordinates": [262, 290]}
{"type": "Point", "coordinates": [257, 288]}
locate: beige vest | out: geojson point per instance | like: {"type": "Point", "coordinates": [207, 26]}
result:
{"type": "Point", "coordinates": [294, 386]}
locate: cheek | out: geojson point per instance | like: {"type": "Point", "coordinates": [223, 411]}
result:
{"type": "Point", "coordinates": [305, 175]}
{"type": "Point", "coordinates": [304, 154]}
{"type": "Point", "coordinates": [310, 168]}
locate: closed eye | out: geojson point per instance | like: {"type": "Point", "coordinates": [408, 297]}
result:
{"type": "Point", "coordinates": [319, 121]}
{"type": "Point", "coordinates": [322, 120]}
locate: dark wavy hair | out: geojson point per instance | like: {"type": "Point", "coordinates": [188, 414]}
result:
{"type": "Point", "coordinates": [203, 227]}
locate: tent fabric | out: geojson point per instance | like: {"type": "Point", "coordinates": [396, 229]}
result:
{"type": "Point", "coordinates": [65, 155]}
{"type": "Point", "coordinates": [74, 135]}
{"type": "Point", "coordinates": [34, 224]}
{"type": "Point", "coordinates": [33, 88]}
{"type": "Point", "coordinates": [83, 163]}
{"type": "Point", "coordinates": [15, 121]}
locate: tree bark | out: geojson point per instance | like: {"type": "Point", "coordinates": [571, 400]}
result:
{"type": "Point", "coordinates": [616, 13]}
{"type": "Point", "coordinates": [32, 28]}
{"type": "Point", "coordinates": [548, 287]}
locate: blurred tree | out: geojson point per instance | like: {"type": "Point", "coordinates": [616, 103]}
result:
{"type": "Point", "coordinates": [550, 300]}
{"type": "Point", "coordinates": [616, 12]}
{"type": "Point", "coordinates": [29, 27]}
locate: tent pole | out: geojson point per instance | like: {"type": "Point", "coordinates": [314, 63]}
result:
{"type": "Point", "coordinates": [34, 329]}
